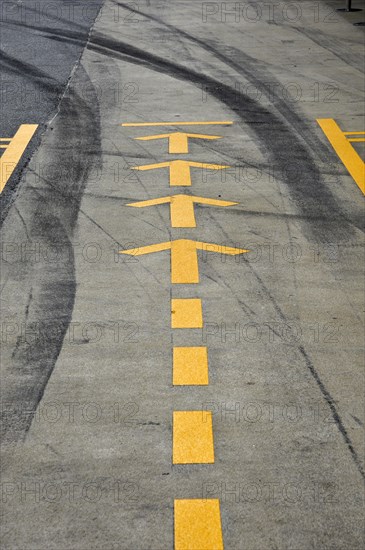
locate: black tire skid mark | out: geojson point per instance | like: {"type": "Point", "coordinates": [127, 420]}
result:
{"type": "Point", "coordinates": [325, 393]}
{"type": "Point", "coordinates": [63, 35]}
{"type": "Point", "coordinates": [136, 56]}
{"type": "Point", "coordinates": [43, 82]}
{"type": "Point", "coordinates": [56, 18]}
{"type": "Point", "coordinates": [51, 221]}
{"type": "Point", "coordinates": [313, 199]}
{"type": "Point", "coordinates": [252, 72]}
{"type": "Point", "coordinates": [330, 401]}
{"type": "Point", "coordinates": [29, 70]}
{"type": "Point", "coordinates": [180, 72]}
{"type": "Point", "coordinates": [305, 185]}
{"type": "Point", "coordinates": [331, 45]}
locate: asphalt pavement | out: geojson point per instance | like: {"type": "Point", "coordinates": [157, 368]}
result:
{"type": "Point", "coordinates": [182, 268]}
{"type": "Point", "coordinates": [40, 45]}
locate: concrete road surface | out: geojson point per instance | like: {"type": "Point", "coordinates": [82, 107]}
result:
{"type": "Point", "coordinates": [182, 269]}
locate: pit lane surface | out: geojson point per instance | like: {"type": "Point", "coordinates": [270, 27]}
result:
{"type": "Point", "coordinates": [91, 335]}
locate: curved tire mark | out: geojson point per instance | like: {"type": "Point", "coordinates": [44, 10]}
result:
{"type": "Point", "coordinates": [50, 210]}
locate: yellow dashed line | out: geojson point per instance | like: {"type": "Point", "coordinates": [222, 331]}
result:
{"type": "Point", "coordinates": [197, 522]}
{"type": "Point", "coordinates": [192, 441]}
{"type": "Point", "coordinates": [14, 150]}
{"type": "Point", "coordinates": [186, 313]}
{"type": "Point", "coordinates": [353, 162]}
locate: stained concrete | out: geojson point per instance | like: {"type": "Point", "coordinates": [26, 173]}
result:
{"type": "Point", "coordinates": [87, 348]}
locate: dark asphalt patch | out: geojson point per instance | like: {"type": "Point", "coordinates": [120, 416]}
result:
{"type": "Point", "coordinates": [35, 68]}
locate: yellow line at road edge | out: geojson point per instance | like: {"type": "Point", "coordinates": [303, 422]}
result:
{"type": "Point", "coordinates": [344, 150]}
{"type": "Point", "coordinates": [14, 151]}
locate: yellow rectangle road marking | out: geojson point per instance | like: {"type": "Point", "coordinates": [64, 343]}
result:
{"type": "Point", "coordinates": [186, 313]}
{"type": "Point", "coordinates": [353, 162]}
{"type": "Point", "coordinates": [192, 438]}
{"type": "Point", "coordinates": [190, 366]}
{"type": "Point", "coordinates": [14, 151]}
{"type": "Point", "coordinates": [178, 123]}
{"type": "Point", "coordinates": [197, 524]}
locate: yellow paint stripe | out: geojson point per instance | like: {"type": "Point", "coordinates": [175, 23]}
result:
{"type": "Point", "coordinates": [178, 123]}
{"type": "Point", "coordinates": [186, 313]}
{"type": "Point", "coordinates": [357, 139]}
{"type": "Point", "coordinates": [192, 438]}
{"type": "Point", "coordinates": [13, 152]}
{"type": "Point", "coordinates": [344, 150]}
{"type": "Point", "coordinates": [190, 366]}
{"type": "Point", "coordinates": [197, 525]}
{"type": "Point", "coordinates": [353, 133]}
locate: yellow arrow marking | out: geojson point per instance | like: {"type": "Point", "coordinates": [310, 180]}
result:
{"type": "Point", "coordinates": [184, 258]}
{"type": "Point", "coordinates": [178, 141]}
{"type": "Point", "coordinates": [197, 524]}
{"type": "Point", "coordinates": [186, 313]}
{"type": "Point", "coordinates": [178, 123]}
{"type": "Point", "coordinates": [190, 366]}
{"type": "Point", "coordinates": [192, 438]}
{"type": "Point", "coordinates": [180, 170]}
{"type": "Point", "coordinates": [14, 150]}
{"type": "Point", "coordinates": [182, 207]}
{"type": "Point", "coordinates": [344, 150]}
